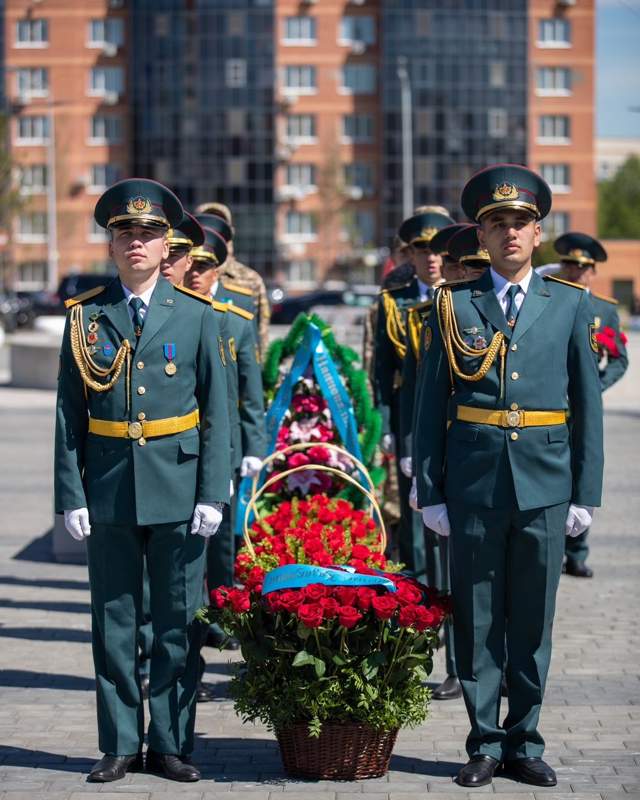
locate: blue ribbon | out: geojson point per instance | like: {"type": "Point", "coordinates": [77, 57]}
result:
{"type": "Point", "coordinates": [296, 576]}
{"type": "Point", "coordinates": [312, 350]}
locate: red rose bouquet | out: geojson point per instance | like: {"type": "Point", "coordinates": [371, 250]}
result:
{"type": "Point", "coordinates": [607, 342]}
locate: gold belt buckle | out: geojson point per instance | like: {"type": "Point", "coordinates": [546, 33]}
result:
{"type": "Point", "coordinates": [134, 430]}
{"type": "Point", "coordinates": [514, 419]}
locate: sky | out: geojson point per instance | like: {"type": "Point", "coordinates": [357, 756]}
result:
{"type": "Point", "coordinates": [618, 68]}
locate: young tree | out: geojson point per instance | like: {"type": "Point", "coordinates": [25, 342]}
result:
{"type": "Point", "coordinates": [619, 203]}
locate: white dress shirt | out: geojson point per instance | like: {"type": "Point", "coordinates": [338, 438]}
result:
{"type": "Point", "coordinates": [501, 286]}
{"type": "Point", "coordinates": [145, 297]}
{"type": "Point", "coordinates": [426, 291]}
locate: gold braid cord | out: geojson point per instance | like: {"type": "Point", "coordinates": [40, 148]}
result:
{"type": "Point", "coordinates": [414, 325]}
{"type": "Point", "coordinates": [454, 343]}
{"type": "Point", "coordinates": [395, 329]}
{"type": "Point", "coordinates": [86, 365]}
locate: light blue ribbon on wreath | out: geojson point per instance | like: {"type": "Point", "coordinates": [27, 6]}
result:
{"type": "Point", "coordinates": [297, 576]}
{"type": "Point", "coordinates": [311, 350]}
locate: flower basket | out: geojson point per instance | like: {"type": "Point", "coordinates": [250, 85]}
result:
{"type": "Point", "coordinates": [342, 752]}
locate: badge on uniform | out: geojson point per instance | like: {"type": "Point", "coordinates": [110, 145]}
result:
{"type": "Point", "coordinates": [107, 349]}
{"type": "Point", "coordinates": [92, 336]}
{"type": "Point", "coordinates": [479, 343]}
{"type": "Point", "coordinates": [428, 338]}
{"type": "Point", "coordinates": [169, 350]}
{"type": "Point", "coordinates": [232, 349]}
{"type": "Point", "coordinates": [221, 351]}
{"type": "Point", "coordinates": [598, 322]}
{"type": "Point", "coordinates": [592, 337]}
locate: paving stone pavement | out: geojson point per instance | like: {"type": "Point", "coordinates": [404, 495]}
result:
{"type": "Point", "coordinates": [48, 740]}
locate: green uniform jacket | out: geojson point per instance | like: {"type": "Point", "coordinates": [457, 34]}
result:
{"type": "Point", "coordinates": [389, 339]}
{"type": "Point", "coordinates": [606, 316]}
{"type": "Point", "coordinates": [550, 365]}
{"type": "Point", "coordinates": [410, 368]}
{"type": "Point", "coordinates": [118, 480]}
{"type": "Point", "coordinates": [248, 432]}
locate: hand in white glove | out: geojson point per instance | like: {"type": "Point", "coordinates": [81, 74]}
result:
{"type": "Point", "coordinates": [206, 519]}
{"type": "Point", "coordinates": [77, 523]}
{"type": "Point", "coordinates": [437, 519]}
{"type": "Point", "coordinates": [388, 444]}
{"type": "Point", "coordinates": [250, 467]}
{"type": "Point", "coordinates": [579, 518]}
{"type": "Point", "coordinates": [406, 466]}
{"type": "Point", "coordinates": [413, 495]}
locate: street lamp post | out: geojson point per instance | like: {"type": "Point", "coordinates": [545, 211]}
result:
{"type": "Point", "coordinates": [407, 138]}
{"type": "Point", "coordinates": [52, 203]}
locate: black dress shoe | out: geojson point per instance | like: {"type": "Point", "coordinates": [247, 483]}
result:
{"type": "Point", "coordinates": [217, 639]}
{"type": "Point", "coordinates": [530, 770]}
{"type": "Point", "coordinates": [449, 689]}
{"type": "Point", "coordinates": [144, 687]}
{"type": "Point", "coordinates": [478, 771]}
{"type": "Point", "coordinates": [176, 768]}
{"type": "Point", "coordinates": [578, 569]}
{"type": "Point", "coordinates": [203, 693]}
{"type": "Point", "coordinates": [112, 768]}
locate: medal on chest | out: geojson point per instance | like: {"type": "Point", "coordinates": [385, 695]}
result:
{"type": "Point", "coordinates": [169, 351]}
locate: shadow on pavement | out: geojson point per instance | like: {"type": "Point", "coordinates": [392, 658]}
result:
{"type": "Point", "coordinates": [47, 605]}
{"type": "Point", "coordinates": [25, 679]}
{"type": "Point", "coordinates": [45, 583]}
{"type": "Point", "coordinates": [22, 757]}
{"type": "Point", "coordinates": [421, 766]}
{"type": "Point", "coordinates": [47, 634]}
{"type": "Point", "coordinates": [39, 549]}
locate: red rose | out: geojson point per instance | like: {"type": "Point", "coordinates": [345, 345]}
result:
{"type": "Point", "coordinates": [218, 598]}
{"type": "Point", "coordinates": [315, 592]}
{"type": "Point", "coordinates": [360, 552]}
{"type": "Point", "coordinates": [407, 616]}
{"type": "Point", "coordinates": [623, 337]}
{"type": "Point", "coordinates": [319, 455]}
{"type": "Point", "coordinates": [384, 606]}
{"type": "Point", "coordinates": [239, 600]}
{"type": "Point", "coordinates": [359, 531]}
{"type": "Point", "coordinates": [311, 615]}
{"type": "Point", "coordinates": [291, 600]}
{"type": "Point", "coordinates": [365, 596]}
{"type": "Point", "coordinates": [408, 594]}
{"type": "Point", "coordinates": [346, 595]}
{"type": "Point", "coordinates": [329, 606]}
{"type": "Point", "coordinates": [298, 460]}
{"type": "Point", "coordinates": [348, 616]}
{"type": "Point", "coordinates": [425, 618]}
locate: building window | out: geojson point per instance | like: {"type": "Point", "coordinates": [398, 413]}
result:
{"type": "Point", "coordinates": [558, 177]}
{"type": "Point", "coordinates": [553, 81]}
{"type": "Point", "coordinates": [358, 79]}
{"type": "Point", "coordinates": [32, 275]}
{"type": "Point", "coordinates": [300, 30]}
{"type": "Point", "coordinates": [235, 73]}
{"type": "Point", "coordinates": [106, 82]}
{"type": "Point", "coordinates": [97, 234]}
{"type": "Point", "coordinates": [301, 175]}
{"type": "Point", "coordinates": [105, 130]}
{"type": "Point", "coordinates": [497, 123]}
{"type": "Point", "coordinates": [555, 224]}
{"type": "Point", "coordinates": [300, 226]}
{"type": "Point", "coordinates": [32, 82]}
{"type": "Point", "coordinates": [301, 127]}
{"type": "Point", "coordinates": [497, 74]}
{"type": "Point", "coordinates": [300, 79]}
{"type": "Point", "coordinates": [236, 169]}
{"type": "Point", "coordinates": [32, 228]}
{"type": "Point", "coordinates": [102, 176]}
{"type": "Point", "coordinates": [554, 129]}
{"type": "Point", "coordinates": [554, 33]}
{"type": "Point", "coordinates": [33, 179]}
{"type": "Point", "coordinates": [359, 176]}
{"type": "Point", "coordinates": [357, 29]}
{"type": "Point", "coordinates": [359, 228]}
{"type": "Point", "coordinates": [302, 271]}
{"type": "Point", "coordinates": [358, 128]}
{"type": "Point", "coordinates": [32, 33]}
{"type": "Point", "coordinates": [106, 32]}
{"type": "Point", "coordinates": [33, 130]}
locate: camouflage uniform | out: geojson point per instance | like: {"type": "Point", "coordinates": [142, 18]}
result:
{"type": "Point", "coordinates": [239, 273]}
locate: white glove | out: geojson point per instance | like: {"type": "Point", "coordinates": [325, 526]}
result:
{"type": "Point", "coordinates": [413, 495]}
{"type": "Point", "coordinates": [388, 444]}
{"type": "Point", "coordinates": [77, 523]}
{"type": "Point", "coordinates": [406, 466]}
{"type": "Point", "coordinates": [250, 467]}
{"type": "Point", "coordinates": [232, 488]}
{"type": "Point", "coordinates": [579, 518]}
{"type": "Point", "coordinates": [437, 519]}
{"type": "Point", "coordinates": [206, 519]}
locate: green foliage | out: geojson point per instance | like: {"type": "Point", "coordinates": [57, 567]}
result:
{"type": "Point", "coordinates": [545, 254]}
{"type": "Point", "coordinates": [619, 203]}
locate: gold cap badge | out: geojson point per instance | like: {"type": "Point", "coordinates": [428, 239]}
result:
{"type": "Point", "coordinates": [138, 205]}
{"type": "Point", "coordinates": [576, 253]}
{"type": "Point", "coordinates": [427, 234]}
{"type": "Point", "coordinates": [482, 253]}
{"type": "Point", "coordinates": [506, 191]}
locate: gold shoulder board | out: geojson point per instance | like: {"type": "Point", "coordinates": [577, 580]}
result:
{"type": "Point", "coordinates": [241, 312]}
{"type": "Point", "coordinates": [233, 287]}
{"type": "Point", "coordinates": [604, 297]}
{"type": "Point", "coordinates": [562, 280]}
{"type": "Point", "coordinates": [218, 306]}
{"type": "Point", "coordinates": [458, 282]}
{"type": "Point", "coordinates": [79, 298]}
{"type": "Point", "coordinates": [191, 293]}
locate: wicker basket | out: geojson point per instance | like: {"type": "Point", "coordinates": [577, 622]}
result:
{"type": "Point", "coordinates": [344, 751]}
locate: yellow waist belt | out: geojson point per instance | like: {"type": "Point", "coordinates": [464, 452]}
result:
{"type": "Point", "coordinates": [511, 419]}
{"type": "Point", "coordinates": [147, 428]}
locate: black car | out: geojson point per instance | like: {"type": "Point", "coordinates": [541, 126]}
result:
{"type": "Point", "coordinates": [285, 312]}
{"type": "Point", "coordinates": [8, 313]}
{"type": "Point", "coordinates": [76, 283]}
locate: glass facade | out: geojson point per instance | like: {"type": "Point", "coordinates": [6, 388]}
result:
{"type": "Point", "coordinates": [202, 83]}
{"type": "Point", "coordinates": [468, 71]}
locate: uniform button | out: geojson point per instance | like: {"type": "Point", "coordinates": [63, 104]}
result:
{"type": "Point", "coordinates": [514, 406]}
{"type": "Point", "coordinates": [142, 416]}
{"type": "Point", "coordinates": [514, 436]}
{"type": "Point", "coordinates": [142, 441]}
{"type": "Point", "coordinates": [514, 377]}
{"type": "Point", "coordinates": [514, 347]}
{"type": "Point", "coordinates": [142, 390]}
{"type": "Point", "coordinates": [140, 365]}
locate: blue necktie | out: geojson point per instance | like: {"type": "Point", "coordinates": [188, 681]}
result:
{"type": "Point", "coordinates": [511, 312]}
{"type": "Point", "coordinates": [138, 322]}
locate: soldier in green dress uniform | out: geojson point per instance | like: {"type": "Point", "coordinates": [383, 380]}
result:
{"type": "Point", "coordinates": [142, 467]}
{"type": "Point", "coordinates": [508, 356]}
{"type": "Point", "coordinates": [579, 254]}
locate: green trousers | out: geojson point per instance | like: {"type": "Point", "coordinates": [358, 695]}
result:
{"type": "Point", "coordinates": [175, 561]}
{"type": "Point", "coordinates": [411, 544]}
{"type": "Point", "coordinates": [145, 632]}
{"type": "Point", "coordinates": [505, 570]}
{"type": "Point", "coordinates": [576, 548]}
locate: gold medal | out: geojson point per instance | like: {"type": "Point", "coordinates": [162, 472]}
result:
{"type": "Point", "coordinates": [93, 327]}
{"type": "Point", "coordinates": [171, 368]}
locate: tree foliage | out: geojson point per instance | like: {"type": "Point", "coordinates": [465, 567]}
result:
{"type": "Point", "coordinates": [619, 203]}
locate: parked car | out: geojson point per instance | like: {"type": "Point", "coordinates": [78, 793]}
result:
{"type": "Point", "coordinates": [8, 313]}
{"type": "Point", "coordinates": [285, 312]}
{"type": "Point", "coordinates": [79, 282]}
